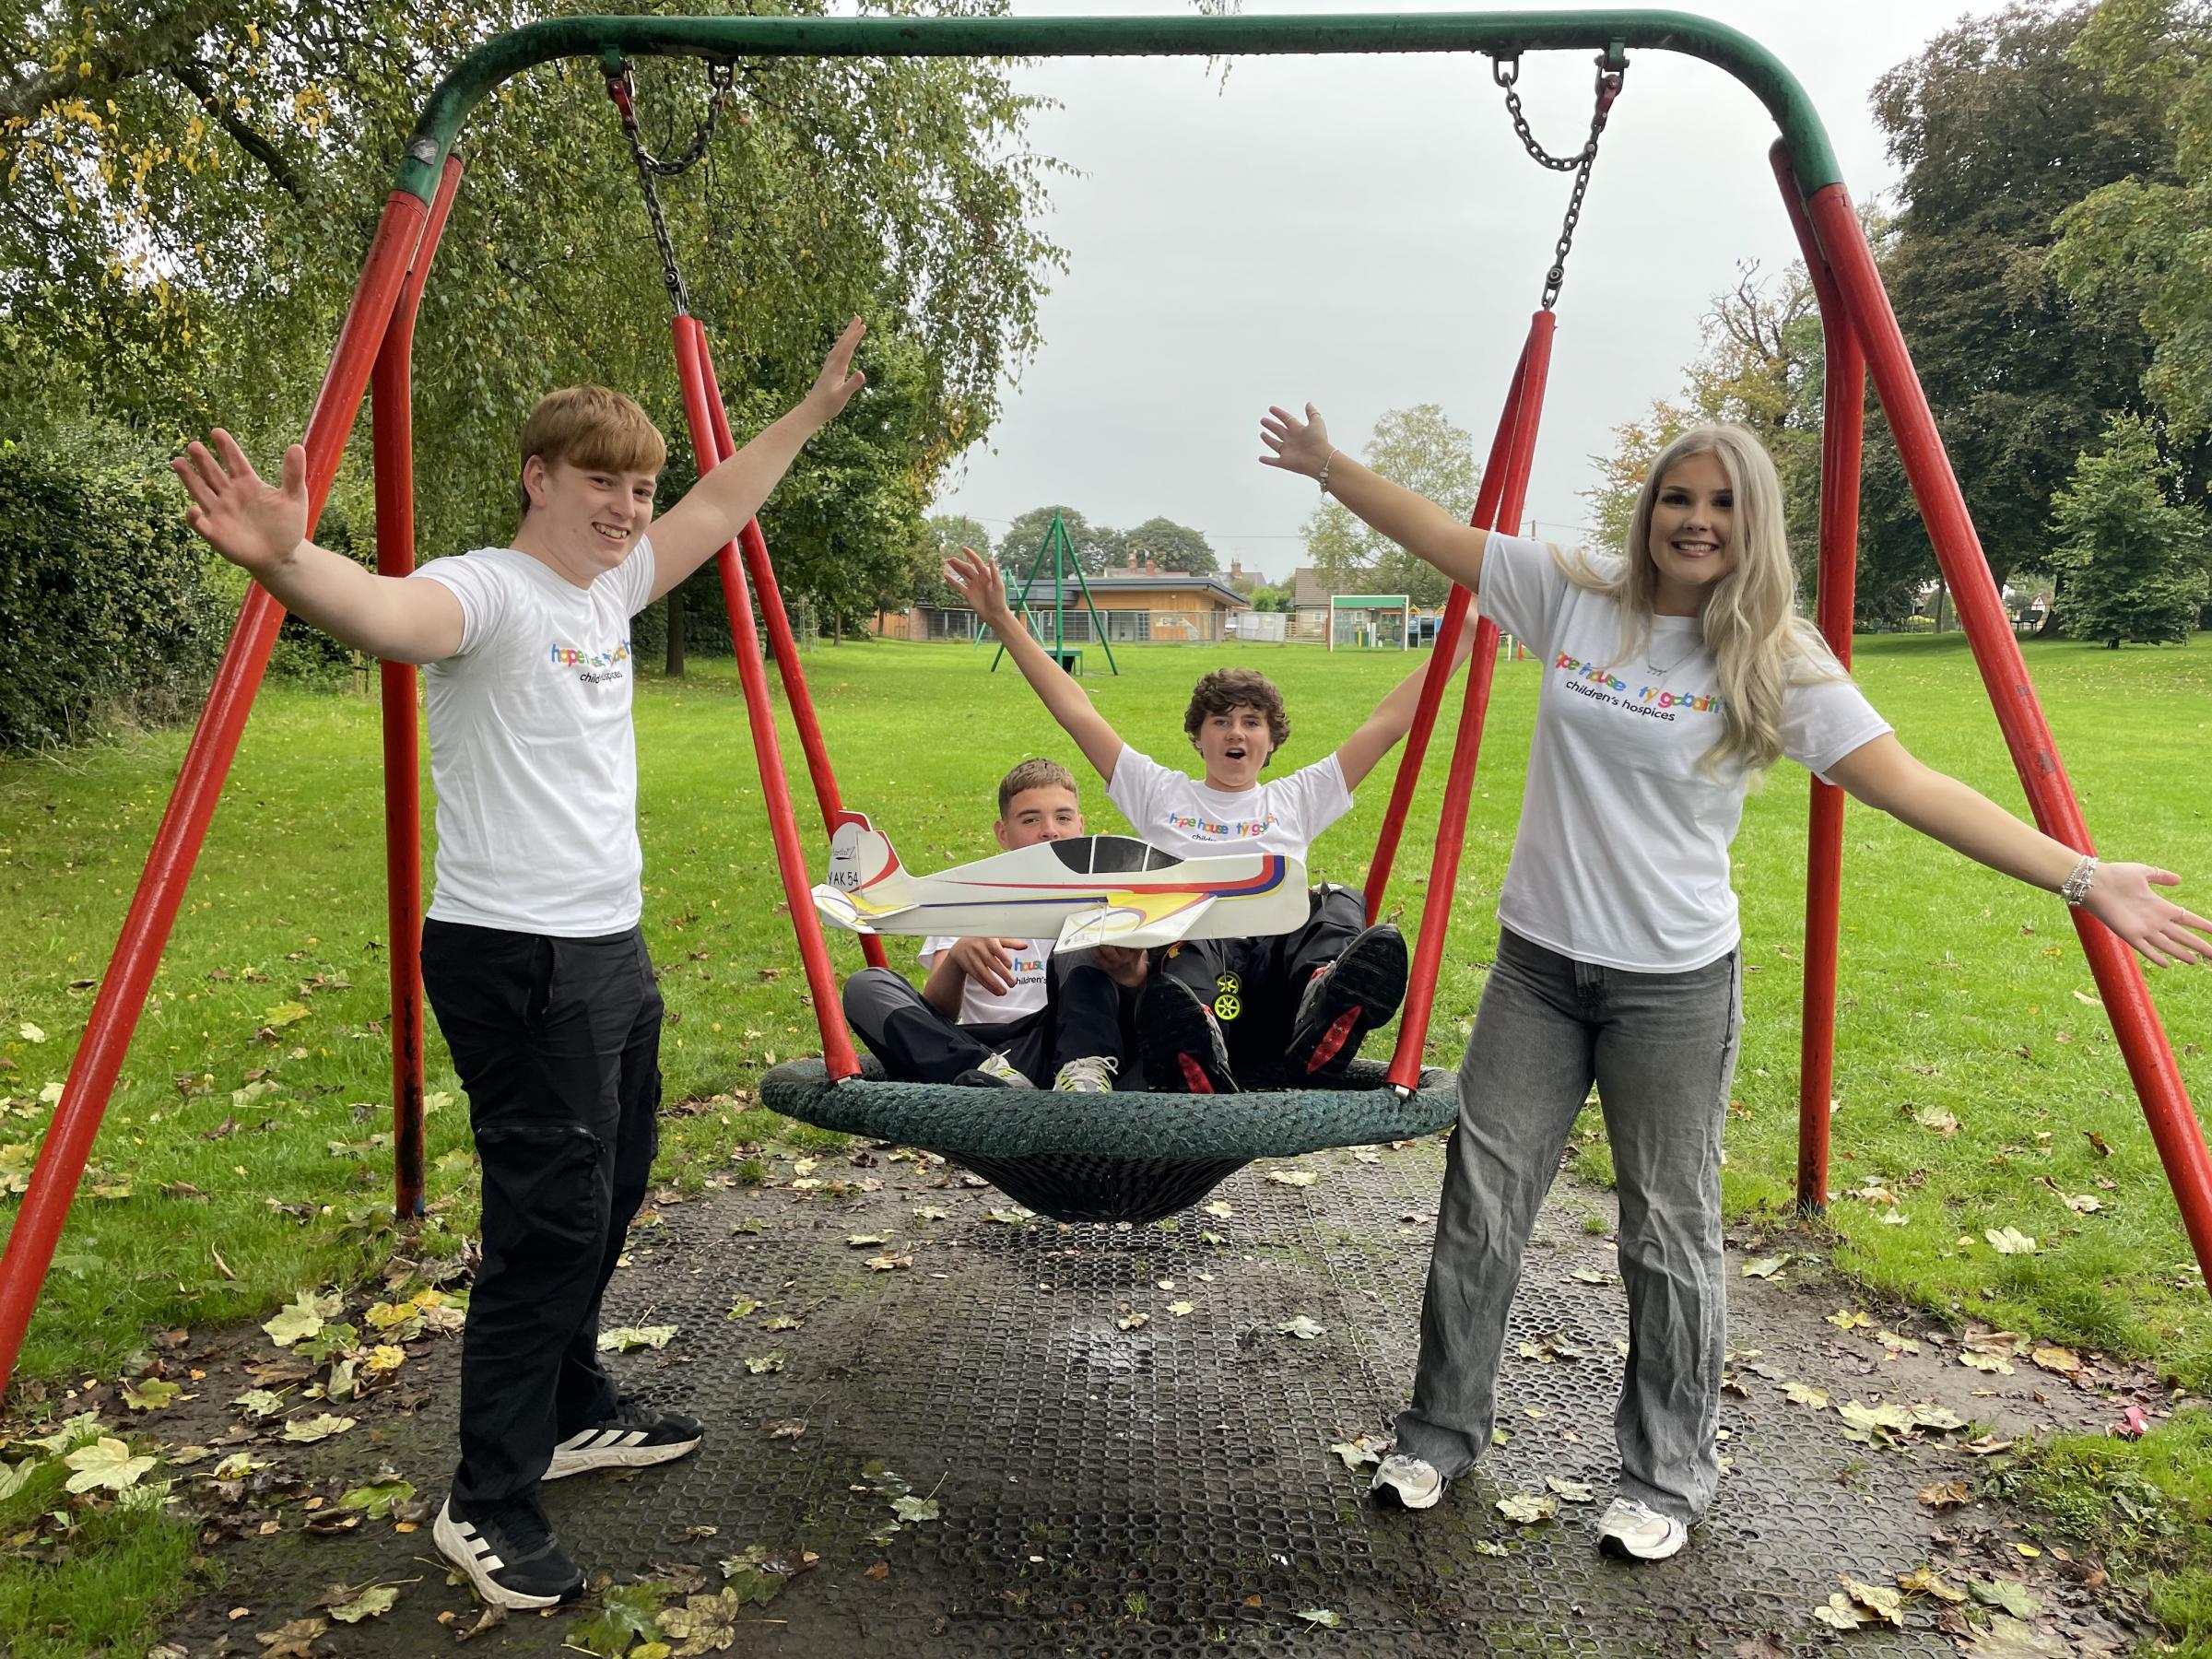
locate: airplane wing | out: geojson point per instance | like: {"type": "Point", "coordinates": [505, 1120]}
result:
{"type": "Point", "coordinates": [1135, 921]}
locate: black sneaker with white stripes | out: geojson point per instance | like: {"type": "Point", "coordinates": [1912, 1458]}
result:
{"type": "Point", "coordinates": [637, 1434]}
{"type": "Point", "coordinates": [509, 1554]}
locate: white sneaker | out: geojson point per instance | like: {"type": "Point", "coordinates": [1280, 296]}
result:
{"type": "Point", "coordinates": [1000, 1067]}
{"type": "Point", "coordinates": [1415, 1484]}
{"type": "Point", "coordinates": [1093, 1074]}
{"type": "Point", "coordinates": [1633, 1531]}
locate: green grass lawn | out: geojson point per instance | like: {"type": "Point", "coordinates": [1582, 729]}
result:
{"type": "Point", "coordinates": [245, 1153]}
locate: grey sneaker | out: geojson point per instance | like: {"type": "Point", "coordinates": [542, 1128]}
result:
{"type": "Point", "coordinates": [1093, 1074]}
{"type": "Point", "coordinates": [1412, 1482]}
{"type": "Point", "coordinates": [999, 1069]}
{"type": "Point", "coordinates": [1635, 1532]}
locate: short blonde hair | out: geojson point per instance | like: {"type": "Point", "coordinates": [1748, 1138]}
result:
{"type": "Point", "coordinates": [1038, 772]}
{"type": "Point", "coordinates": [590, 426]}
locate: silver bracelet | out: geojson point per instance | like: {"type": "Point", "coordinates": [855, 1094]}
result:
{"type": "Point", "coordinates": [2075, 889]}
{"type": "Point", "coordinates": [1322, 478]}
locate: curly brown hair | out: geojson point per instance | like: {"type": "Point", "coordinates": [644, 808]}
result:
{"type": "Point", "coordinates": [1227, 689]}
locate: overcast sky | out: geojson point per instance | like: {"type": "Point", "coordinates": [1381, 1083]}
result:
{"type": "Point", "coordinates": [1366, 233]}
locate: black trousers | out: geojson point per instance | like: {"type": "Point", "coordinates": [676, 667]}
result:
{"type": "Point", "coordinates": [1253, 985]}
{"type": "Point", "coordinates": [1081, 1017]}
{"type": "Point", "coordinates": [558, 1043]}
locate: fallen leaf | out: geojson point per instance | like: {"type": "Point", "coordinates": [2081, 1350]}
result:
{"type": "Point", "coordinates": [293, 1641]}
{"type": "Point", "coordinates": [2009, 1240]}
{"type": "Point", "coordinates": [1219, 1209]}
{"type": "Point", "coordinates": [623, 1339]}
{"type": "Point", "coordinates": [1886, 1603]}
{"type": "Point", "coordinates": [302, 1317]}
{"type": "Point", "coordinates": [1803, 1393]}
{"type": "Point", "coordinates": [784, 1428]}
{"type": "Point", "coordinates": [1320, 1616]}
{"type": "Point", "coordinates": [307, 1431]}
{"type": "Point", "coordinates": [1180, 1309]}
{"type": "Point", "coordinates": [1293, 1178]}
{"type": "Point", "coordinates": [2009, 1593]}
{"type": "Point", "coordinates": [2082, 1204]}
{"type": "Point", "coordinates": [376, 1499]}
{"type": "Point", "coordinates": [761, 1364]}
{"type": "Point", "coordinates": [2096, 1143]}
{"type": "Point", "coordinates": [1526, 1509]}
{"type": "Point", "coordinates": [106, 1466]}
{"type": "Point", "coordinates": [1994, 1364]}
{"type": "Point", "coordinates": [1133, 1322]}
{"type": "Point", "coordinates": [1949, 1494]}
{"type": "Point", "coordinates": [1849, 1319]}
{"type": "Point", "coordinates": [911, 1507]}
{"type": "Point", "coordinates": [1923, 1580]}
{"type": "Point", "coordinates": [891, 1264]}
{"type": "Point", "coordinates": [1842, 1613]}
{"type": "Point", "coordinates": [1300, 1327]}
{"type": "Point", "coordinates": [882, 1570]}
{"type": "Point", "coordinates": [859, 1241]}
{"type": "Point", "coordinates": [368, 1603]}
{"type": "Point", "coordinates": [1357, 1453]}
{"type": "Point", "coordinates": [150, 1393]}
{"type": "Point", "coordinates": [1572, 1492]}
{"type": "Point", "coordinates": [1766, 1266]}
{"type": "Point", "coordinates": [31, 1033]}
{"type": "Point", "coordinates": [2008, 1638]}
{"type": "Point", "coordinates": [1937, 1119]}
{"type": "Point", "coordinates": [2061, 1360]}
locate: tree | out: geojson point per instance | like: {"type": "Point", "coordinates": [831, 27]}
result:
{"type": "Point", "coordinates": [1999, 128]}
{"type": "Point", "coordinates": [2133, 558]}
{"type": "Point", "coordinates": [1268, 597]}
{"type": "Point", "coordinates": [186, 190]}
{"type": "Point", "coordinates": [1422, 450]}
{"type": "Point", "coordinates": [942, 534]}
{"type": "Point", "coordinates": [2143, 244]}
{"type": "Point", "coordinates": [1170, 546]}
{"type": "Point", "coordinates": [1095, 548]}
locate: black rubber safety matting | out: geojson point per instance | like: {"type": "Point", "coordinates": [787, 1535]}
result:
{"type": "Point", "coordinates": [1107, 1484]}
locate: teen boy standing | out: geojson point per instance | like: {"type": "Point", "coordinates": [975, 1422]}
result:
{"type": "Point", "coordinates": [533, 957]}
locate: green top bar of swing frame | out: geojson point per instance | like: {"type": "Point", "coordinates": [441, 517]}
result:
{"type": "Point", "coordinates": [1498, 35]}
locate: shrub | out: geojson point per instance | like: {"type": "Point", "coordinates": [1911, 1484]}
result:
{"type": "Point", "coordinates": [103, 599]}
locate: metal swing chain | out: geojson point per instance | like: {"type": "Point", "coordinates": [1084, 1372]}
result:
{"type": "Point", "coordinates": [622, 89]}
{"type": "Point", "coordinates": [1505, 71]}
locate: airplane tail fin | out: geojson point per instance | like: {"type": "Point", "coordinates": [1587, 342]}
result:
{"type": "Point", "coordinates": [865, 881]}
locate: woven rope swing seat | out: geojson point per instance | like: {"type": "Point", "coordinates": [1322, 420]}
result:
{"type": "Point", "coordinates": [1123, 1157]}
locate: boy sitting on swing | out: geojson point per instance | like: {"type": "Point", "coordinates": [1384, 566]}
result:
{"type": "Point", "coordinates": [532, 952]}
{"type": "Point", "coordinates": [1298, 1004]}
{"type": "Point", "coordinates": [996, 1012]}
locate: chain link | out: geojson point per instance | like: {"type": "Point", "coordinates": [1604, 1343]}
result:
{"type": "Point", "coordinates": [622, 89]}
{"type": "Point", "coordinates": [1506, 71]}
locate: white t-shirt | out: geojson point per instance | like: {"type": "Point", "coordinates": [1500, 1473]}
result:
{"type": "Point", "coordinates": [1179, 814]}
{"type": "Point", "coordinates": [531, 751]}
{"type": "Point", "coordinates": [980, 1007]}
{"type": "Point", "coordinates": [1622, 855]}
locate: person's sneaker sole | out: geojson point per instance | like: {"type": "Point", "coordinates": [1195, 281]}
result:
{"type": "Point", "coordinates": [610, 1454]}
{"type": "Point", "coordinates": [1181, 1042]}
{"type": "Point", "coordinates": [1389, 1492]}
{"type": "Point", "coordinates": [1363, 990]}
{"type": "Point", "coordinates": [1617, 1547]}
{"type": "Point", "coordinates": [453, 1544]}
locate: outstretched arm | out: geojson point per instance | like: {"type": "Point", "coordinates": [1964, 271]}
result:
{"type": "Point", "coordinates": [263, 530]}
{"type": "Point", "coordinates": [1414, 522]}
{"type": "Point", "coordinates": [721, 504]}
{"type": "Point", "coordinates": [981, 583]}
{"type": "Point", "coordinates": [1380, 732]}
{"type": "Point", "coordinates": [1884, 775]}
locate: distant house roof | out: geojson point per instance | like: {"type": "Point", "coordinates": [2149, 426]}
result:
{"type": "Point", "coordinates": [1307, 588]}
{"type": "Point", "coordinates": [1128, 582]}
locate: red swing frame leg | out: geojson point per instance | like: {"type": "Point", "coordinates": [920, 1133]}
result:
{"type": "Point", "coordinates": [2136, 1025]}
{"type": "Point", "coordinates": [153, 911]}
{"type": "Point", "coordinates": [791, 856]}
{"type": "Point", "coordinates": [1416, 750]}
{"type": "Point", "coordinates": [391, 400]}
{"type": "Point", "coordinates": [1843, 417]}
{"type": "Point", "coordinates": [796, 696]}
{"type": "Point", "coordinates": [1524, 411]}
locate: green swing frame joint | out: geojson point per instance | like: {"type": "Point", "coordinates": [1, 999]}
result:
{"type": "Point", "coordinates": [1056, 544]}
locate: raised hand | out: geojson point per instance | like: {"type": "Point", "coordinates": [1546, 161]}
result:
{"type": "Point", "coordinates": [2121, 897]}
{"type": "Point", "coordinates": [980, 583]}
{"type": "Point", "coordinates": [1298, 446]}
{"type": "Point", "coordinates": [250, 523]}
{"type": "Point", "coordinates": [834, 386]}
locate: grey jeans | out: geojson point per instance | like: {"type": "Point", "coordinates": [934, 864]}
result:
{"type": "Point", "coordinates": [1661, 1048]}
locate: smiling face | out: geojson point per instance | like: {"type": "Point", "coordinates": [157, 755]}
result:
{"type": "Point", "coordinates": [1692, 536]}
{"type": "Point", "coordinates": [1234, 745]}
{"type": "Point", "coordinates": [1049, 813]}
{"type": "Point", "coordinates": [583, 521]}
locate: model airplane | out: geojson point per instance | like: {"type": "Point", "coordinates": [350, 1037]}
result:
{"type": "Point", "coordinates": [1084, 892]}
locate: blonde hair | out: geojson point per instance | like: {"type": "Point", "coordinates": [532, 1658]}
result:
{"type": "Point", "coordinates": [1760, 644]}
{"type": "Point", "coordinates": [590, 426]}
{"type": "Point", "coordinates": [1037, 772]}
